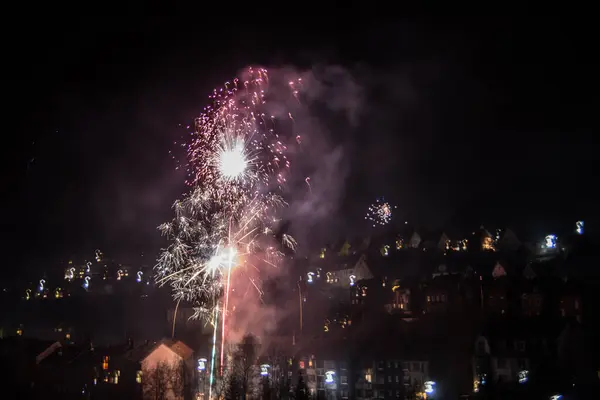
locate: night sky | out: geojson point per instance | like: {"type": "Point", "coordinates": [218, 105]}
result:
{"type": "Point", "coordinates": [475, 121]}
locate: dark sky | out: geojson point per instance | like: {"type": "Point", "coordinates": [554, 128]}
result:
{"type": "Point", "coordinates": [461, 123]}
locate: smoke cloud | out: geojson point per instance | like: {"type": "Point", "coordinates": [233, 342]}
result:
{"type": "Point", "coordinates": [322, 116]}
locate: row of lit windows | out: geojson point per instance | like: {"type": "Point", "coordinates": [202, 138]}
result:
{"type": "Point", "coordinates": [436, 298]}
{"type": "Point", "coordinates": [414, 366]}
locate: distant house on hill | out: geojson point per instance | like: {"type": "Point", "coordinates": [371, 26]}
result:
{"type": "Point", "coordinates": [436, 241]}
{"type": "Point", "coordinates": [509, 241]}
{"type": "Point", "coordinates": [415, 241]}
{"type": "Point", "coordinates": [168, 369]}
{"type": "Point", "coordinates": [343, 270]}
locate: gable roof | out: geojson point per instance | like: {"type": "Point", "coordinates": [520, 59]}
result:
{"type": "Point", "coordinates": [140, 353]}
{"type": "Point", "coordinates": [182, 350]}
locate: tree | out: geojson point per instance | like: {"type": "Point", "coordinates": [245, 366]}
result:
{"type": "Point", "coordinates": [234, 389]}
{"type": "Point", "coordinates": [166, 380]}
{"type": "Point", "coordinates": [156, 382]}
{"type": "Point", "coordinates": [301, 389]}
{"type": "Point", "coordinates": [242, 372]}
{"type": "Point", "coordinates": [267, 390]}
{"type": "Point", "coordinates": [180, 380]}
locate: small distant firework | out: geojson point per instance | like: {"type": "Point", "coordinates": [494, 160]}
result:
{"type": "Point", "coordinates": [380, 212]}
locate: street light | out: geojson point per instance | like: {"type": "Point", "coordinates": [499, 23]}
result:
{"type": "Point", "coordinates": [329, 376]}
{"type": "Point", "coordinates": [429, 387]}
{"type": "Point", "coordinates": [523, 376]}
{"type": "Point", "coordinates": [264, 369]}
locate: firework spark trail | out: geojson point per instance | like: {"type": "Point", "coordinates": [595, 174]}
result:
{"type": "Point", "coordinates": [237, 165]}
{"type": "Point", "coordinates": [214, 350]}
{"type": "Point", "coordinates": [225, 309]}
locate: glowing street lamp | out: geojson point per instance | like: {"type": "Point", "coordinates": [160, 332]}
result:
{"type": "Point", "coordinates": [429, 387]}
{"type": "Point", "coordinates": [579, 227]}
{"type": "Point", "coordinates": [264, 370]}
{"type": "Point", "coordinates": [329, 377]}
{"type": "Point", "coordinates": [550, 242]}
{"type": "Point", "coordinates": [523, 376]}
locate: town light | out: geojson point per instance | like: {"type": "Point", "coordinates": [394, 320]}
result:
{"type": "Point", "coordinates": [523, 376]}
{"type": "Point", "coordinates": [429, 386]}
{"type": "Point", "coordinates": [264, 369]}
{"type": "Point", "coordinates": [329, 376]}
{"type": "Point", "coordinates": [202, 364]}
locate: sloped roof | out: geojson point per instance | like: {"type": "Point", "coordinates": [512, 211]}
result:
{"type": "Point", "coordinates": [139, 353]}
{"type": "Point", "coordinates": [183, 350]}
{"type": "Point", "coordinates": [335, 262]}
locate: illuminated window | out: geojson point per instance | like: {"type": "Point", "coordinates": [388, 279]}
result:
{"type": "Point", "coordinates": [368, 377]}
{"type": "Point", "coordinates": [138, 377]}
{"type": "Point", "coordinates": [488, 244]}
{"type": "Point", "coordinates": [105, 363]}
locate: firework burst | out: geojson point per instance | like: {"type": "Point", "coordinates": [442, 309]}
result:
{"type": "Point", "coordinates": [380, 212]}
{"type": "Point", "coordinates": [237, 164]}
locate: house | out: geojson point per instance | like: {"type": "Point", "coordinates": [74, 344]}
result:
{"type": "Point", "coordinates": [415, 241]}
{"type": "Point", "coordinates": [168, 368]}
{"type": "Point", "coordinates": [341, 271]}
{"type": "Point", "coordinates": [509, 354]}
{"type": "Point", "coordinates": [499, 361]}
{"type": "Point", "coordinates": [443, 294]}
{"type": "Point", "coordinates": [509, 241]}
